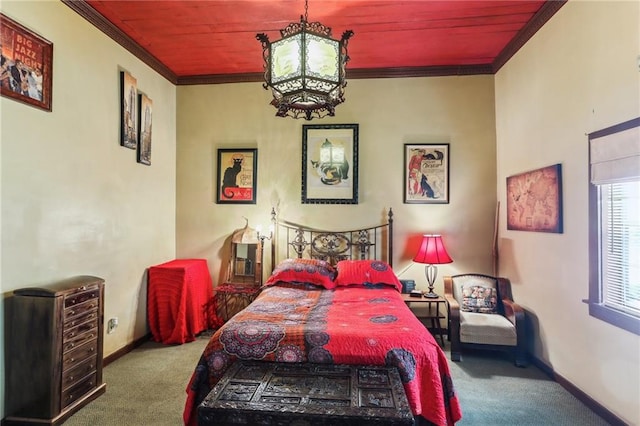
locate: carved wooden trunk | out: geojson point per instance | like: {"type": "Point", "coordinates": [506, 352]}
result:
{"type": "Point", "coordinates": [276, 394]}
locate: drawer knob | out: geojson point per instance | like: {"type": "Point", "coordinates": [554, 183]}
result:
{"type": "Point", "coordinates": [70, 379]}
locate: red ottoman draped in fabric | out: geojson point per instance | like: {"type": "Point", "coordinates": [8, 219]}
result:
{"type": "Point", "coordinates": [177, 294]}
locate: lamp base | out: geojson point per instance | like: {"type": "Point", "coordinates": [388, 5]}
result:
{"type": "Point", "coordinates": [431, 295]}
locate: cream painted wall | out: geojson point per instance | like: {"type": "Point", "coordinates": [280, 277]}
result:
{"type": "Point", "coordinates": [454, 110]}
{"type": "Point", "coordinates": [73, 200]}
{"type": "Point", "coordinates": [580, 73]}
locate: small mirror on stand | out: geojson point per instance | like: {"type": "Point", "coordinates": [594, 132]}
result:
{"type": "Point", "coordinates": [245, 265]}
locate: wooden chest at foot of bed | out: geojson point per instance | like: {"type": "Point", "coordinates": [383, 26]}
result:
{"type": "Point", "coordinates": [262, 393]}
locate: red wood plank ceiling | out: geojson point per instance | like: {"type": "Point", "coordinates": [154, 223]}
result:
{"type": "Point", "coordinates": [217, 37]}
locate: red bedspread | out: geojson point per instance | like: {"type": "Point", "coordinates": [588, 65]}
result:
{"type": "Point", "coordinates": [348, 325]}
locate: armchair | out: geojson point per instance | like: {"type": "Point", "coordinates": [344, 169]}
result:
{"type": "Point", "coordinates": [482, 313]}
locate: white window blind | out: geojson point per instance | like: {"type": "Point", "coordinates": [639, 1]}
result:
{"type": "Point", "coordinates": [616, 157]}
{"type": "Point", "coordinates": [620, 246]}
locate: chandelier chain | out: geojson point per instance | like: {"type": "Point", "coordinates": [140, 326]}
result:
{"type": "Point", "coordinates": [306, 10]}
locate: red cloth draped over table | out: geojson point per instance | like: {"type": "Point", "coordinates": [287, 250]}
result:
{"type": "Point", "coordinates": [348, 325]}
{"type": "Point", "coordinates": [177, 295]}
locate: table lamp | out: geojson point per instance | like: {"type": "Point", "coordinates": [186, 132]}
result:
{"type": "Point", "coordinates": [432, 252]}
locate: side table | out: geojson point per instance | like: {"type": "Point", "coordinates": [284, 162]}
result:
{"type": "Point", "coordinates": [178, 292]}
{"type": "Point", "coordinates": [432, 313]}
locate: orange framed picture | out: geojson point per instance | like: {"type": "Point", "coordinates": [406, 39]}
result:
{"type": "Point", "coordinates": [534, 200]}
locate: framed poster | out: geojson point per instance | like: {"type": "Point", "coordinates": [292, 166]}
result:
{"type": "Point", "coordinates": [128, 110]}
{"type": "Point", "coordinates": [426, 173]}
{"type": "Point", "coordinates": [26, 65]}
{"type": "Point", "coordinates": [237, 176]}
{"type": "Point", "coordinates": [144, 124]}
{"type": "Point", "coordinates": [534, 200]}
{"type": "Point", "coordinates": [330, 164]}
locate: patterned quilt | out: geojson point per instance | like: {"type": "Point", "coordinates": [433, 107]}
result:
{"type": "Point", "coordinates": [346, 325]}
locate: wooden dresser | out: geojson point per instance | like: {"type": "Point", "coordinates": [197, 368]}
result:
{"type": "Point", "coordinates": [54, 350]}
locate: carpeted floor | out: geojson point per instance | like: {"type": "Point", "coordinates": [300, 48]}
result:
{"type": "Point", "coordinates": [147, 387]}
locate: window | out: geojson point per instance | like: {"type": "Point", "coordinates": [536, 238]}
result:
{"type": "Point", "coordinates": [614, 217]}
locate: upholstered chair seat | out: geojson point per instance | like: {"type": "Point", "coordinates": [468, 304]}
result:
{"type": "Point", "coordinates": [482, 314]}
{"type": "Point", "coordinates": [487, 329]}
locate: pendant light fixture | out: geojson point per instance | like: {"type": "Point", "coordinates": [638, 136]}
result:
{"type": "Point", "coordinates": [305, 69]}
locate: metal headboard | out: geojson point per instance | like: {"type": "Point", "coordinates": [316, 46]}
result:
{"type": "Point", "coordinates": [374, 242]}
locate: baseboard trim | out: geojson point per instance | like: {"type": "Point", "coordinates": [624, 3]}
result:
{"type": "Point", "coordinates": [126, 349]}
{"type": "Point", "coordinates": [579, 394]}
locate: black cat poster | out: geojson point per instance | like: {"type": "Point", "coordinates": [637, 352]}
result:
{"type": "Point", "coordinates": [237, 176]}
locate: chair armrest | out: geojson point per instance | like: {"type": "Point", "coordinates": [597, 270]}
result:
{"type": "Point", "coordinates": [513, 312]}
{"type": "Point", "coordinates": [453, 307]}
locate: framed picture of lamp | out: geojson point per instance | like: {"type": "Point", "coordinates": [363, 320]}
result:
{"type": "Point", "coordinates": [426, 173]}
{"type": "Point", "coordinates": [237, 176]}
{"type": "Point", "coordinates": [330, 164]}
{"type": "Point", "coordinates": [26, 65]}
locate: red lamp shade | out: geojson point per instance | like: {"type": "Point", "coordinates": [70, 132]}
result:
{"type": "Point", "coordinates": [432, 251]}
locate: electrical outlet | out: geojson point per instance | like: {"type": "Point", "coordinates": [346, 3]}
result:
{"type": "Point", "coordinates": [112, 324]}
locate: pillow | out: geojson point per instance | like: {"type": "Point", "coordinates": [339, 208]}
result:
{"type": "Point", "coordinates": [366, 272]}
{"type": "Point", "coordinates": [314, 271]}
{"type": "Point", "coordinates": [476, 298]}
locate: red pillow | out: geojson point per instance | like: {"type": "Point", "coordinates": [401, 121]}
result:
{"type": "Point", "coordinates": [314, 271]}
{"type": "Point", "coordinates": [366, 272]}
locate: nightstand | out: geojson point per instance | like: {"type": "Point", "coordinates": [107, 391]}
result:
{"type": "Point", "coordinates": [231, 299]}
{"type": "Point", "coordinates": [431, 311]}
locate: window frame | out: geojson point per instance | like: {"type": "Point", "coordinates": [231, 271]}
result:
{"type": "Point", "coordinates": [597, 309]}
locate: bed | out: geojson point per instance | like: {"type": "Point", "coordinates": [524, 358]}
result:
{"type": "Point", "coordinates": [333, 299]}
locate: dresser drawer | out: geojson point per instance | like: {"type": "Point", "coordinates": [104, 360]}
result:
{"type": "Point", "coordinates": [80, 297]}
{"type": "Point", "coordinates": [75, 374]}
{"type": "Point", "coordinates": [76, 336]}
{"type": "Point", "coordinates": [77, 310]}
{"type": "Point", "coordinates": [79, 354]}
{"type": "Point", "coordinates": [72, 394]}
{"type": "Point", "coordinates": [82, 315]}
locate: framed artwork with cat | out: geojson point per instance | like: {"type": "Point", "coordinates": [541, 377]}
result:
{"type": "Point", "coordinates": [237, 176]}
{"type": "Point", "coordinates": [330, 164]}
{"type": "Point", "coordinates": [426, 173]}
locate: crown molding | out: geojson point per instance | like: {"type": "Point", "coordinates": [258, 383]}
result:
{"type": "Point", "coordinates": [548, 9]}
{"type": "Point", "coordinates": [87, 12]}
